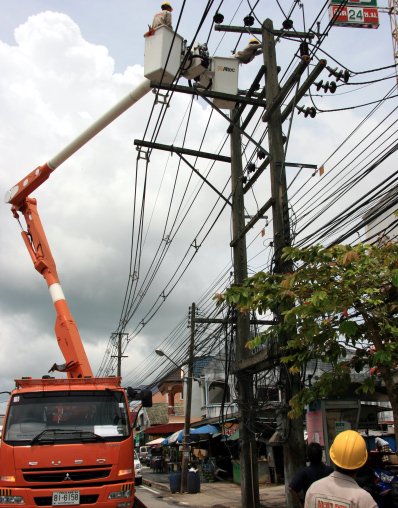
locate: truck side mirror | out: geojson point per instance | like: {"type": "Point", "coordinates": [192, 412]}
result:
{"type": "Point", "coordinates": [131, 393]}
{"type": "Point", "coordinates": [145, 396]}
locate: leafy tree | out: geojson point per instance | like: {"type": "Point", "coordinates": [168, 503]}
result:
{"type": "Point", "coordinates": [339, 299]}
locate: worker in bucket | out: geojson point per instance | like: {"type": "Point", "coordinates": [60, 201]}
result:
{"type": "Point", "coordinates": [348, 454]}
{"type": "Point", "coordinates": [249, 52]}
{"type": "Point", "coordinates": [162, 18]}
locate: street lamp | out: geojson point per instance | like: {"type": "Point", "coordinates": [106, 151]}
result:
{"type": "Point", "coordinates": [160, 352]}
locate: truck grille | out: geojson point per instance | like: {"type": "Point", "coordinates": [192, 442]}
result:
{"type": "Point", "coordinates": [65, 475]}
{"type": "Point", "coordinates": [47, 501]}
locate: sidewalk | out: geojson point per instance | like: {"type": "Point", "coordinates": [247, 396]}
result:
{"type": "Point", "coordinates": [214, 495]}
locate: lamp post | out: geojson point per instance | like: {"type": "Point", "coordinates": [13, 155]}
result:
{"type": "Point", "coordinates": [187, 424]}
{"type": "Point", "coordinates": [187, 420]}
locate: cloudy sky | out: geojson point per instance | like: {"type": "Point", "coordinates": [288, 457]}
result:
{"type": "Point", "coordinates": [65, 63]}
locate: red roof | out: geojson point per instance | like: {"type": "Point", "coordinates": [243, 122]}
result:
{"type": "Point", "coordinates": [167, 428]}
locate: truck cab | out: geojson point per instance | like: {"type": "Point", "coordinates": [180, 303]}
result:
{"type": "Point", "coordinates": [67, 442]}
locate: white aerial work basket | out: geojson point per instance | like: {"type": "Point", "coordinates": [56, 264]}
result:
{"type": "Point", "coordinates": [163, 52]}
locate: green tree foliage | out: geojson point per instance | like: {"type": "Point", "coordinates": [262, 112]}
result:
{"type": "Point", "coordinates": [339, 299]}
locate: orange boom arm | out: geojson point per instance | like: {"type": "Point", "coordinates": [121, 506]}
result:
{"type": "Point", "coordinates": [68, 337]}
{"type": "Point", "coordinates": [76, 362]}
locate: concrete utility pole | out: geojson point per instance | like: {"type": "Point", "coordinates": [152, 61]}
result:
{"type": "Point", "coordinates": [187, 421]}
{"type": "Point", "coordinates": [293, 448]}
{"type": "Point", "coordinates": [280, 215]}
{"type": "Point", "coordinates": [246, 363]}
{"type": "Point", "coordinates": [248, 451]}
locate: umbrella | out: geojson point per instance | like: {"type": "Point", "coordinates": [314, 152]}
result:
{"type": "Point", "coordinates": [157, 441]}
{"type": "Point", "coordinates": [172, 438]}
{"type": "Point", "coordinates": [205, 429]}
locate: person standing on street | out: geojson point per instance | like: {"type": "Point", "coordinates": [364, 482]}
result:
{"type": "Point", "coordinates": [339, 489]}
{"type": "Point", "coordinates": [383, 447]}
{"type": "Point", "coordinates": [309, 474]}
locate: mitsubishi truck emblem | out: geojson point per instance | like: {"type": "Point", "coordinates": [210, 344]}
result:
{"type": "Point", "coordinates": [67, 477]}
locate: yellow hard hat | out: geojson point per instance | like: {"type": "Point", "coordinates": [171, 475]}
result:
{"type": "Point", "coordinates": [348, 450]}
{"type": "Point", "coordinates": [166, 5]}
{"type": "Point", "coordinates": [253, 41]}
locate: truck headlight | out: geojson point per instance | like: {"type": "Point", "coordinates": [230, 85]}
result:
{"type": "Point", "coordinates": [120, 494]}
{"type": "Point", "coordinates": [123, 472]}
{"type": "Point", "coordinates": [11, 500]}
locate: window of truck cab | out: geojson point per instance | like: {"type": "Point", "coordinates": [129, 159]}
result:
{"type": "Point", "coordinates": [67, 416]}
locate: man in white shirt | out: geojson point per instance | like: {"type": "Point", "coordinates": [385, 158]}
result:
{"type": "Point", "coordinates": [163, 18]}
{"type": "Point", "coordinates": [247, 54]}
{"type": "Point", "coordinates": [384, 449]}
{"type": "Point", "coordinates": [339, 489]}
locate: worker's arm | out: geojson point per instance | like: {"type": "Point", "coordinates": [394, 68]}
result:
{"type": "Point", "coordinates": [168, 21]}
{"type": "Point", "coordinates": [296, 487]}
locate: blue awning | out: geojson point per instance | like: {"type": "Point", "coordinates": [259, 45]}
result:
{"type": "Point", "coordinates": [177, 437]}
{"type": "Point", "coordinates": [205, 429]}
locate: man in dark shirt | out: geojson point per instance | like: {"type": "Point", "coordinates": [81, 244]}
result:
{"type": "Point", "coordinates": [309, 474]}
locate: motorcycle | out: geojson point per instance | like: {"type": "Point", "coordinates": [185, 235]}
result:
{"type": "Point", "coordinates": [386, 488]}
{"type": "Point", "coordinates": [382, 485]}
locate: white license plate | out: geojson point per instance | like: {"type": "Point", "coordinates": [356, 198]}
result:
{"type": "Point", "coordinates": [66, 497]}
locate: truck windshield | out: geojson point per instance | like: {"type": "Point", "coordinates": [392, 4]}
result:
{"type": "Point", "coordinates": [67, 416]}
